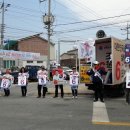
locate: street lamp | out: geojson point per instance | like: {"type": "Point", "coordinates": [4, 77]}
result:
{"type": "Point", "coordinates": [48, 20]}
{"type": "Point", "coordinates": [76, 49]}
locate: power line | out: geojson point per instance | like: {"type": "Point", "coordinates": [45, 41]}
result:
{"type": "Point", "coordinates": [92, 20]}
{"type": "Point", "coordinates": [82, 29]}
{"type": "Point", "coordinates": [21, 29]}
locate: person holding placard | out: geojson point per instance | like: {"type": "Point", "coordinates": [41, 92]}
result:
{"type": "Point", "coordinates": [42, 81]}
{"type": "Point", "coordinates": [74, 81]}
{"type": "Point", "coordinates": [6, 82]}
{"type": "Point", "coordinates": [58, 82]}
{"type": "Point", "coordinates": [127, 79]}
{"type": "Point", "coordinates": [23, 81]}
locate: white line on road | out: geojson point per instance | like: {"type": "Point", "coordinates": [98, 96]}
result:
{"type": "Point", "coordinates": [100, 112]}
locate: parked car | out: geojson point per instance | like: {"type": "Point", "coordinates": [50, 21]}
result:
{"type": "Point", "coordinates": [66, 71]}
{"type": "Point", "coordinates": [32, 70]}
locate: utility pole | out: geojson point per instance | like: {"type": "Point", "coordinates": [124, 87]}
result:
{"type": "Point", "coordinates": [49, 13]}
{"type": "Point", "coordinates": [48, 19]}
{"type": "Point", "coordinates": [2, 25]}
{"type": "Point", "coordinates": [127, 30]}
{"type": "Point", "coordinates": [58, 52]}
{"type": "Point", "coordinates": [3, 9]}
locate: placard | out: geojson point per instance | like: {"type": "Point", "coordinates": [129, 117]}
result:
{"type": "Point", "coordinates": [22, 81]}
{"type": "Point", "coordinates": [42, 80]}
{"type": "Point", "coordinates": [5, 83]}
{"type": "Point", "coordinates": [74, 80]}
{"type": "Point", "coordinates": [127, 79]}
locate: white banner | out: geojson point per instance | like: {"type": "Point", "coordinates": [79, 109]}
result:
{"type": "Point", "coordinates": [74, 80]}
{"type": "Point", "coordinates": [19, 55]}
{"type": "Point", "coordinates": [87, 51]}
{"type": "Point", "coordinates": [127, 79]}
{"type": "Point", "coordinates": [5, 83]}
{"type": "Point", "coordinates": [22, 81]}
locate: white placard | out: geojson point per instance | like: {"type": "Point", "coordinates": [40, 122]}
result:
{"type": "Point", "coordinates": [42, 80]}
{"type": "Point", "coordinates": [74, 80]}
{"type": "Point", "coordinates": [127, 79]}
{"type": "Point", "coordinates": [22, 81]}
{"type": "Point", "coordinates": [5, 83]}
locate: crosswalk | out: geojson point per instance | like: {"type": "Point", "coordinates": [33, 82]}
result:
{"type": "Point", "coordinates": [100, 116]}
{"type": "Point", "coordinates": [100, 112]}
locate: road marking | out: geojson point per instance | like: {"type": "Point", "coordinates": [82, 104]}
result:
{"type": "Point", "coordinates": [100, 112]}
{"type": "Point", "coordinates": [113, 123]}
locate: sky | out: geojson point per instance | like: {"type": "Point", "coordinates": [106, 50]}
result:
{"type": "Point", "coordinates": [75, 20]}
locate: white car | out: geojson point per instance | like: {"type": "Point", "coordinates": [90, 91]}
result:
{"type": "Point", "coordinates": [67, 71]}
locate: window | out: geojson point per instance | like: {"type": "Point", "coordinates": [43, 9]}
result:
{"type": "Point", "coordinates": [9, 63]}
{"type": "Point", "coordinates": [39, 61]}
{"type": "Point", "coordinates": [29, 61]}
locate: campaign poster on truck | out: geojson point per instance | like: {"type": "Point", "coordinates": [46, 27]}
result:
{"type": "Point", "coordinates": [118, 62]}
{"type": "Point", "coordinates": [84, 78]}
{"type": "Point", "coordinates": [127, 53]}
{"type": "Point", "coordinates": [110, 54]}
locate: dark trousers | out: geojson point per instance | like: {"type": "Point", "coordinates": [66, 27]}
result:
{"type": "Point", "coordinates": [74, 92]}
{"type": "Point", "coordinates": [24, 90]}
{"type": "Point", "coordinates": [56, 90]}
{"type": "Point", "coordinates": [7, 92]}
{"type": "Point", "coordinates": [44, 90]}
{"type": "Point", "coordinates": [98, 88]}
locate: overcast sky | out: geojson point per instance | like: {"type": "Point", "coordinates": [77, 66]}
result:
{"type": "Point", "coordinates": [24, 18]}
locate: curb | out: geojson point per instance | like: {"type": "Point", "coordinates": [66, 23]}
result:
{"type": "Point", "coordinates": [49, 93]}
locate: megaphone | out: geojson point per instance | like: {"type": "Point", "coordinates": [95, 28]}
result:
{"type": "Point", "coordinates": [100, 34]}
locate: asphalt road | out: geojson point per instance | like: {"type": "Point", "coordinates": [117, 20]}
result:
{"type": "Point", "coordinates": [31, 113]}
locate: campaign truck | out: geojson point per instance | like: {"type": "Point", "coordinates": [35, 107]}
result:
{"type": "Point", "coordinates": [110, 53]}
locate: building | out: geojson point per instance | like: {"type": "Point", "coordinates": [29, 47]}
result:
{"type": "Point", "coordinates": [69, 58]}
{"type": "Point", "coordinates": [32, 44]}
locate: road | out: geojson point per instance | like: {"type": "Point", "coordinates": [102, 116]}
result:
{"type": "Point", "coordinates": [31, 113]}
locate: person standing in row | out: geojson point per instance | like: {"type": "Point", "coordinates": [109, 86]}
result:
{"type": "Point", "coordinates": [23, 81]}
{"type": "Point", "coordinates": [58, 82]}
{"type": "Point", "coordinates": [74, 79]}
{"type": "Point", "coordinates": [42, 81]}
{"type": "Point", "coordinates": [96, 73]}
{"type": "Point", "coordinates": [6, 82]}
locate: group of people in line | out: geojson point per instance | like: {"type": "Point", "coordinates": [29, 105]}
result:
{"type": "Point", "coordinates": [95, 72]}
{"type": "Point", "coordinates": [42, 76]}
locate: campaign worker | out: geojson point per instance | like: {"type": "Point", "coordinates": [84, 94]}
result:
{"type": "Point", "coordinates": [74, 81]}
{"type": "Point", "coordinates": [42, 82]}
{"type": "Point", "coordinates": [58, 82]}
{"type": "Point", "coordinates": [96, 72]}
{"type": "Point", "coordinates": [6, 82]}
{"type": "Point", "coordinates": [23, 80]}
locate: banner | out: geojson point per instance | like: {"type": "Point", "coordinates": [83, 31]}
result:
{"type": "Point", "coordinates": [127, 53]}
{"type": "Point", "coordinates": [19, 55]}
{"type": "Point", "coordinates": [87, 51]}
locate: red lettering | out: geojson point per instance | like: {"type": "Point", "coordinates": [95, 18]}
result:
{"type": "Point", "coordinates": [118, 72]}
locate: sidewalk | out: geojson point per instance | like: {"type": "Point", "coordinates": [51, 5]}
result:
{"type": "Point", "coordinates": [82, 90]}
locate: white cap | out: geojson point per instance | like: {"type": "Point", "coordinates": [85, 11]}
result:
{"type": "Point", "coordinates": [96, 62]}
